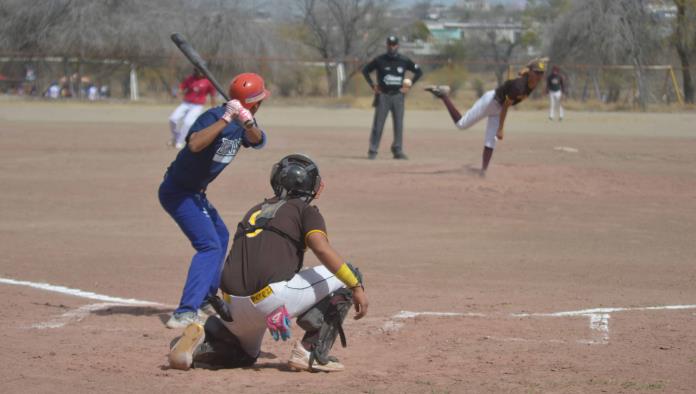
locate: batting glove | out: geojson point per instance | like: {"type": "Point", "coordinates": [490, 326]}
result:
{"type": "Point", "coordinates": [278, 323]}
{"type": "Point", "coordinates": [245, 116]}
{"type": "Point", "coordinates": [232, 109]}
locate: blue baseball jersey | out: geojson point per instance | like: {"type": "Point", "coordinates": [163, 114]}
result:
{"type": "Point", "coordinates": [194, 171]}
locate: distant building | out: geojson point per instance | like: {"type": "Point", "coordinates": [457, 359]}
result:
{"type": "Point", "coordinates": [474, 5]}
{"type": "Point", "coordinates": [419, 48]}
{"type": "Point", "coordinates": [662, 10]}
{"type": "Point", "coordinates": [447, 32]}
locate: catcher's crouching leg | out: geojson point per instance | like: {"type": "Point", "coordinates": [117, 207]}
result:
{"type": "Point", "coordinates": [323, 323]}
{"type": "Point", "coordinates": [221, 348]}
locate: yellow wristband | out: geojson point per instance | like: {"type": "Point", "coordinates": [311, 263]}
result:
{"type": "Point", "coordinates": [345, 275]}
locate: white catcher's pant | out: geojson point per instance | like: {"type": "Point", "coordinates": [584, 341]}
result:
{"type": "Point", "coordinates": [486, 106]}
{"type": "Point", "coordinates": [555, 104]}
{"type": "Point", "coordinates": [181, 120]}
{"type": "Point", "coordinates": [300, 293]}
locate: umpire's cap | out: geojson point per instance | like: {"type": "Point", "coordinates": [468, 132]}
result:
{"type": "Point", "coordinates": [392, 40]}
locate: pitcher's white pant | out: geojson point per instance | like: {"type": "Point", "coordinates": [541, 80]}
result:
{"type": "Point", "coordinates": [181, 120]}
{"type": "Point", "coordinates": [486, 106]}
{"type": "Point", "coordinates": [300, 293]}
{"type": "Point", "coordinates": [555, 104]}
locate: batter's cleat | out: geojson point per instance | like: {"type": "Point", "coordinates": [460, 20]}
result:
{"type": "Point", "coordinates": [181, 354]}
{"type": "Point", "coordinates": [371, 155]}
{"type": "Point", "coordinates": [206, 310]}
{"type": "Point", "coordinates": [400, 156]}
{"type": "Point", "coordinates": [183, 319]}
{"type": "Point", "coordinates": [299, 361]}
{"type": "Point", "coordinates": [438, 91]}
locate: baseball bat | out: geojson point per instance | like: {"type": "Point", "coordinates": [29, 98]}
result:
{"type": "Point", "coordinates": [197, 61]}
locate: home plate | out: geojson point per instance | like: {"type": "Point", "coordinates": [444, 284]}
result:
{"type": "Point", "coordinates": [566, 149]}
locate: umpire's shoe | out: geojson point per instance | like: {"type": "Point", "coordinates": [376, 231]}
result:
{"type": "Point", "coordinates": [400, 156]}
{"type": "Point", "coordinates": [181, 355]}
{"type": "Point", "coordinates": [299, 361]}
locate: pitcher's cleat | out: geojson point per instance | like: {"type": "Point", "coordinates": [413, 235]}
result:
{"type": "Point", "coordinates": [299, 361]}
{"type": "Point", "coordinates": [181, 355]}
{"type": "Point", "coordinates": [438, 90]}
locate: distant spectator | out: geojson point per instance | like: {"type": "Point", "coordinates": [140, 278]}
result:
{"type": "Point", "coordinates": [53, 91]}
{"type": "Point", "coordinates": [92, 92]}
{"type": "Point", "coordinates": [104, 91]}
{"type": "Point", "coordinates": [29, 81]}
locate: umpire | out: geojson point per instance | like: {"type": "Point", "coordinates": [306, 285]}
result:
{"type": "Point", "coordinates": [389, 95]}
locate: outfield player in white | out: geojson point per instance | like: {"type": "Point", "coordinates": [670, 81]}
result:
{"type": "Point", "coordinates": [555, 88]}
{"type": "Point", "coordinates": [195, 89]}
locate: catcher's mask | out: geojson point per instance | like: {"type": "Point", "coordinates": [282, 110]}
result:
{"type": "Point", "coordinates": [296, 176]}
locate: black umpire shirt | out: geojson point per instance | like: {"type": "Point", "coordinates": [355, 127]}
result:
{"type": "Point", "coordinates": [390, 72]}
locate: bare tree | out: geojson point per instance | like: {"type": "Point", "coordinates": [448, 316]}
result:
{"type": "Point", "coordinates": [607, 33]}
{"type": "Point", "coordinates": [684, 41]}
{"type": "Point", "coordinates": [133, 31]}
{"type": "Point", "coordinates": [343, 31]}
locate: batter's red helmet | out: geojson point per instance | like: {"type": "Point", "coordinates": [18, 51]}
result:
{"type": "Point", "coordinates": [249, 89]}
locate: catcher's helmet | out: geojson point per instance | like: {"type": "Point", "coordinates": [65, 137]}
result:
{"type": "Point", "coordinates": [249, 89]}
{"type": "Point", "coordinates": [295, 176]}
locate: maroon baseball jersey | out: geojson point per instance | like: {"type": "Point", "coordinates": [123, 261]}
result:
{"type": "Point", "coordinates": [513, 91]}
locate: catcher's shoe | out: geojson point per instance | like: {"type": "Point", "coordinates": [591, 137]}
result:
{"type": "Point", "coordinates": [299, 361]}
{"type": "Point", "coordinates": [438, 91]}
{"type": "Point", "coordinates": [181, 354]}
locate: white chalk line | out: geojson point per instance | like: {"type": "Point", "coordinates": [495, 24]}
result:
{"type": "Point", "coordinates": [598, 320]}
{"type": "Point", "coordinates": [73, 316]}
{"type": "Point", "coordinates": [76, 315]}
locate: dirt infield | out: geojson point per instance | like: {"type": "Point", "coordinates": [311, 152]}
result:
{"type": "Point", "coordinates": [467, 277]}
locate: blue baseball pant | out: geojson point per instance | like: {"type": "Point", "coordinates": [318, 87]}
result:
{"type": "Point", "coordinates": [199, 220]}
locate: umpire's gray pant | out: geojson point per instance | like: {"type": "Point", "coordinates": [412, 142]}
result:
{"type": "Point", "coordinates": [386, 103]}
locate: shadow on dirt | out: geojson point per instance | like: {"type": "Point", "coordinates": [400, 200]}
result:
{"type": "Point", "coordinates": [162, 313]}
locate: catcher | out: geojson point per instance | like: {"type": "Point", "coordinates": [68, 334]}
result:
{"type": "Point", "coordinates": [263, 286]}
{"type": "Point", "coordinates": [494, 104]}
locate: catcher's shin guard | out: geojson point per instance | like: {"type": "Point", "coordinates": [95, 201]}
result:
{"type": "Point", "coordinates": [221, 348]}
{"type": "Point", "coordinates": [323, 323]}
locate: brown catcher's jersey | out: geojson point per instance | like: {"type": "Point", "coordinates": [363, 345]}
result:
{"type": "Point", "coordinates": [513, 91]}
{"type": "Point", "coordinates": [265, 256]}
